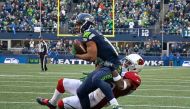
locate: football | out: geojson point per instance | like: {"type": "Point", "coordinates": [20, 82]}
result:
{"type": "Point", "coordinates": [80, 47]}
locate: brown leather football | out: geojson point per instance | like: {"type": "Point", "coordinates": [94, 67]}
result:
{"type": "Point", "coordinates": [80, 48]}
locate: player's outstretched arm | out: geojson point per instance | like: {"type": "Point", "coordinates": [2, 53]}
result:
{"type": "Point", "coordinates": [120, 84]}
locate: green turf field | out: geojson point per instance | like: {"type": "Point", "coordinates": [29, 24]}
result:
{"type": "Point", "coordinates": [161, 88]}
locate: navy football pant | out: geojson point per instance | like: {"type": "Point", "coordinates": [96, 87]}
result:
{"type": "Point", "coordinates": [91, 83]}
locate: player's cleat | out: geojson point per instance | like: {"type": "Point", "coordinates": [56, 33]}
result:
{"type": "Point", "coordinates": [45, 102]}
{"type": "Point", "coordinates": [116, 107]}
{"type": "Point", "coordinates": [46, 69]}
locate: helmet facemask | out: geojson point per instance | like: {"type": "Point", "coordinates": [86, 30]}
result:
{"type": "Point", "coordinates": [85, 26]}
{"type": "Point", "coordinates": [126, 63]}
{"type": "Point", "coordinates": [133, 62]}
{"type": "Point", "coordinates": [83, 22]}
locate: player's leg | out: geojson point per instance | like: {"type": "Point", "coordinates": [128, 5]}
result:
{"type": "Point", "coordinates": [105, 87]}
{"type": "Point", "coordinates": [45, 62]}
{"type": "Point", "coordinates": [41, 61]}
{"type": "Point", "coordinates": [64, 84]}
{"type": "Point", "coordinates": [84, 90]}
{"type": "Point", "coordinates": [71, 102]}
{"type": "Point", "coordinates": [74, 103]}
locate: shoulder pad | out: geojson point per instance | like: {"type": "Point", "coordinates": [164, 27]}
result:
{"type": "Point", "coordinates": [88, 35]}
{"type": "Point", "coordinates": [134, 77]}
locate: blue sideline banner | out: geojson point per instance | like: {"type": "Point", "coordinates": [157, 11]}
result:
{"type": "Point", "coordinates": [13, 59]}
{"type": "Point", "coordinates": [34, 59]}
{"type": "Point", "coordinates": [78, 61]}
{"type": "Point", "coordinates": [149, 61]}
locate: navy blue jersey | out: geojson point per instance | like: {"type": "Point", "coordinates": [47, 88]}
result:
{"type": "Point", "coordinates": [105, 49]}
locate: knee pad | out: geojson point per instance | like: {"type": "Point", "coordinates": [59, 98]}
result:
{"type": "Point", "coordinates": [60, 86]}
{"type": "Point", "coordinates": [60, 104]}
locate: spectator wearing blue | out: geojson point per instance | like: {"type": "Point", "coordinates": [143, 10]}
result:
{"type": "Point", "coordinates": [178, 60]}
{"type": "Point", "coordinates": [53, 53]}
{"type": "Point", "coordinates": [171, 59]}
{"type": "Point", "coordinates": [55, 56]}
{"type": "Point", "coordinates": [165, 60]}
{"type": "Point", "coordinates": [13, 26]}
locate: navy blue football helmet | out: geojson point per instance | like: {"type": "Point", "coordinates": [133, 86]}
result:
{"type": "Point", "coordinates": [84, 21]}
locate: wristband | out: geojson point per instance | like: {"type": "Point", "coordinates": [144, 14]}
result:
{"type": "Point", "coordinates": [124, 85]}
{"type": "Point", "coordinates": [117, 78]}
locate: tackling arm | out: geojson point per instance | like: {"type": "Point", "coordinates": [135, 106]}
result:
{"type": "Point", "coordinates": [119, 83]}
{"type": "Point", "coordinates": [91, 54]}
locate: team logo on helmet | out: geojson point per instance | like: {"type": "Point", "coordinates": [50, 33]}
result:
{"type": "Point", "coordinates": [140, 62]}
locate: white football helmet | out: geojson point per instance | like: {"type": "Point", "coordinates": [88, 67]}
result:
{"type": "Point", "coordinates": [133, 62]}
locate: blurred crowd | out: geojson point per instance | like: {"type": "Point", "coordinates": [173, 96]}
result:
{"type": "Point", "coordinates": [101, 10]}
{"type": "Point", "coordinates": [178, 17]}
{"type": "Point", "coordinates": [181, 48]}
{"type": "Point", "coordinates": [63, 46]}
{"type": "Point", "coordinates": [25, 15]}
{"type": "Point", "coordinates": [147, 48]}
{"type": "Point", "coordinates": [128, 13]}
{"type": "Point", "coordinates": [136, 13]}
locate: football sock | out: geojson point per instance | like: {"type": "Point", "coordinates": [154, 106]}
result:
{"type": "Point", "coordinates": [113, 102]}
{"type": "Point", "coordinates": [56, 96]}
{"type": "Point", "coordinates": [58, 92]}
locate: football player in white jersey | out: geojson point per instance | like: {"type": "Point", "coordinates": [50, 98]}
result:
{"type": "Point", "coordinates": [132, 65]}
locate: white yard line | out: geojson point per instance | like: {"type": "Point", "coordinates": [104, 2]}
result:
{"type": "Point", "coordinates": [168, 82]}
{"type": "Point", "coordinates": [164, 85]}
{"type": "Point", "coordinates": [59, 76]}
{"type": "Point", "coordinates": [16, 102]}
{"type": "Point", "coordinates": [37, 76]}
{"type": "Point", "coordinates": [28, 86]}
{"type": "Point", "coordinates": [169, 90]}
{"type": "Point", "coordinates": [41, 93]}
{"type": "Point", "coordinates": [153, 106]}
{"type": "Point", "coordinates": [167, 79]}
{"type": "Point", "coordinates": [140, 89]}
{"type": "Point", "coordinates": [164, 68]}
{"type": "Point", "coordinates": [141, 96]}
{"type": "Point", "coordinates": [147, 96]}
{"type": "Point", "coordinates": [153, 81]}
{"type": "Point", "coordinates": [26, 82]}
{"type": "Point", "coordinates": [157, 106]}
{"type": "Point", "coordinates": [48, 73]}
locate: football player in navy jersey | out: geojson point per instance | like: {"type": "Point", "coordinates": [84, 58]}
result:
{"type": "Point", "coordinates": [98, 47]}
{"type": "Point", "coordinates": [131, 66]}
